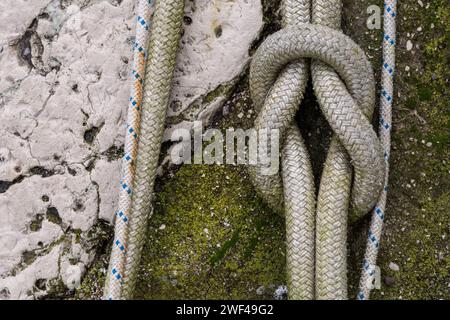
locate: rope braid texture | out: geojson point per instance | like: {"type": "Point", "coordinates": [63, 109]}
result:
{"type": "Point", "coordinates": [117, 259]}
{"type": "Point", "coordinates": [316, 233]}
{"type": "Point", "coordinates": [150, 99]}
{"type": "Point", "coordinates": [345, 88]}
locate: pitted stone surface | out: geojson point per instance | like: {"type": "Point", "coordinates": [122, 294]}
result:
{"type": "Point", "coordinates": [64, 88]}
{"type": "Point", "coordinates": [214, 50]}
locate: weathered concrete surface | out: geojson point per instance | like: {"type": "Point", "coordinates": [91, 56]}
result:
{"type": "Point", "coordinates": [64, 67]}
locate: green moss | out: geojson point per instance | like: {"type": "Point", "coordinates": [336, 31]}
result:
{"type": "Point", "coordinates": [36, 223]}
{"type": "Point", "coordinates": [93, 283]}
{"type": "Point", "coordinates": [77, 233]}
{"type": "Point", "coordinates": [220, 253]}
{"type": "Point", "coordinates": [28, 257]}
{"type": "Point", "coordinates": [56, 290]}
{"type": "Point", "coordinates": [114, 153]}
{"type": "Point", "coordinates": [420, 250]}
{"type": "Point", "coordinates": [52, 215]}
{"type": "Point", "coordinates": [424, 94]}
{"type": "Point", "coordinates": [206, 238]}
{"type": "Point", "coordinates": [411, 103]}
{"type": "Point", "coordinates": [223, 89]}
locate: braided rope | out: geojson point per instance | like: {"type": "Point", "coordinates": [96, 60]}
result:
{"type": "Point", "coordinates": [345, 88]}
{"type": "Point", "coordinates": [122, 215]}
{"type": "Point", "coordinates": [386, 100]}
{"type": "Point", "coordinates": [163, 47]}
{"type": "Point", "coordinates": [148, 104]}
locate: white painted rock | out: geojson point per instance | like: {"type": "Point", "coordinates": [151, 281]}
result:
{"type": "Point", "coordinates": [64, 90]}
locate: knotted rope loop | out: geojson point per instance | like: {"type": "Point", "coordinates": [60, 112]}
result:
{"type": "Point", "coordinates": [345, 88]}
{"type": "Point", "coordinates": [338, 100]}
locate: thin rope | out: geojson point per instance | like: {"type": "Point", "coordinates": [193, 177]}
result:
{"type": "Point", "coordinates": [149, 101]}
{"type": "Point", "coordinates": [386, 101]}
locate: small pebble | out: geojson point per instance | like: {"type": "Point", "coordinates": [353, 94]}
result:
{"type": "Point", "coordinates": [409, 45]}
{"type": "Point", "coordinates": [394, 267]}
{"type": "Point", "coordinates": [280, 293]}
{"type": "Point", "coordinates": [389, 281]}
{"type": "Point", "coordinates": [260, 291]}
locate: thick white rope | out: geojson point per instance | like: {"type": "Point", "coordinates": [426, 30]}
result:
{"type": "Point", "coordinates": [386, 100]}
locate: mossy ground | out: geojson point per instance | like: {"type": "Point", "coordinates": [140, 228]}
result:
{"type": "Point", "coordinates": [212, 237]}
{"type": "Point", "coordinates": [223, 244]}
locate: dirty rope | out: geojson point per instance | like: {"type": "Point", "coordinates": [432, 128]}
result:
{"type": "Point", "coordinates": [155, 63]}
{"type": "Point", "coordinates": [344, 85]}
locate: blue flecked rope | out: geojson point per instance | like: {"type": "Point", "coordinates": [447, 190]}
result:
{"type": "Point", "coordinates": [387, 97]}
{"type": "Point", "coordinates": [113, 284]}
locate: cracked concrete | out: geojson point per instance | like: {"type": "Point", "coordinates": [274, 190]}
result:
{"type": "Point", "coordinates": [64, 88]}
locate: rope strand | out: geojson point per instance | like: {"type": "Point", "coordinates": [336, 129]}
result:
{"type": "Point", "coordinates": [114, 277]}
{"type": "Point", "coordinates": [386, 100]}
